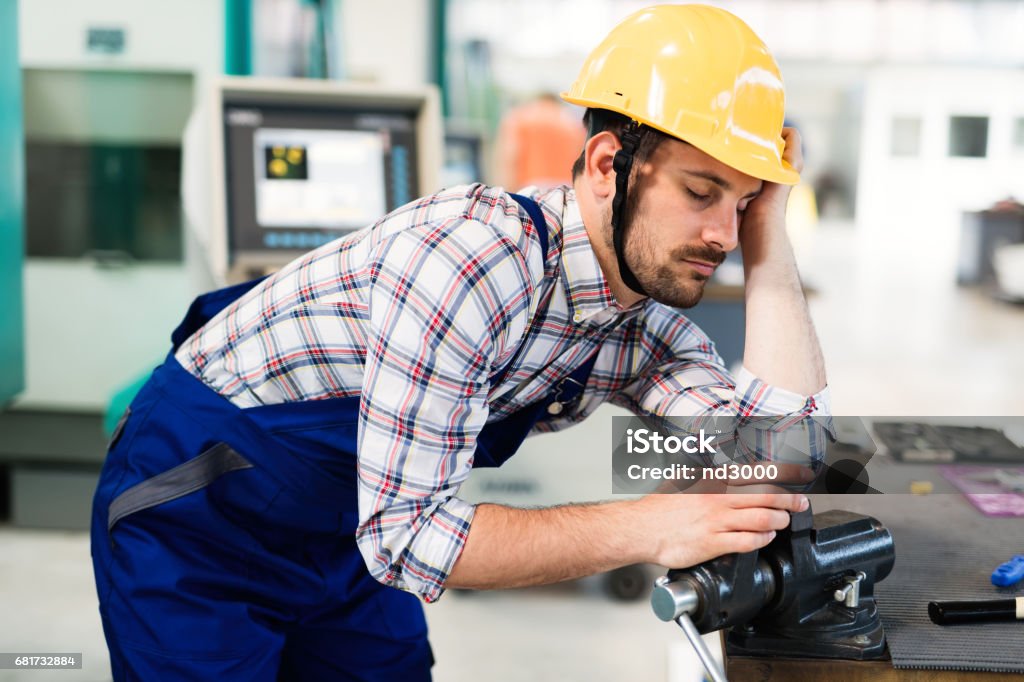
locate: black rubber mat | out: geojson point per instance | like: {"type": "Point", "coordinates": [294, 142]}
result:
{"type": "Point", "coordinates": [945, 551]}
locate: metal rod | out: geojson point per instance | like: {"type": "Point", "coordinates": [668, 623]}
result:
{"type": "Point", "coordinates": [710, 664]}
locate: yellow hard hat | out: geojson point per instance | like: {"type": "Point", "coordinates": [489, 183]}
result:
{"type": "Point", "coordinates": [697, 73]}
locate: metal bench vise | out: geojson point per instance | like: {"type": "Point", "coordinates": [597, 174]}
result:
{"type": "Point", "coordinates": [809, 593]}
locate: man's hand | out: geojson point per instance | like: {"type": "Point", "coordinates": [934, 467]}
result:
{"type": "Point", "coordinates": [685, 530]}
{"type": "Point", "coordinates": [769, 208]}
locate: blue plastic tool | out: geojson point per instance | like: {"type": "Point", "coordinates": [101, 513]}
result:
{"type": "Point", "coordinates": [1010, 572]}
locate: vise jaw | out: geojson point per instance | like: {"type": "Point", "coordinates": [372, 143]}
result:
{"type": "Point", "coordinates": [809, 593]}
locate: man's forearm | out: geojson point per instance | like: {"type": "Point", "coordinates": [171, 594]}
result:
{"type": "Point", "coordinates": [509, 547]}
{"type": "Point", "coordinates": [781, 346]}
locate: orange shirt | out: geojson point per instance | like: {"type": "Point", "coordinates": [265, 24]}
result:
{"type": "Point", "coordinates": [538, 143]}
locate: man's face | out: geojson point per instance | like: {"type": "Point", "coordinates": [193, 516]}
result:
{"type": "Point", "coordinates": [683, 217]}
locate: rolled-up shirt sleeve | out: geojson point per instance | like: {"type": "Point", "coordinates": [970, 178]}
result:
{"type": "Point", "coordinates": [754, 397]}
{"type": "Point", "coordinates": [445, 300]}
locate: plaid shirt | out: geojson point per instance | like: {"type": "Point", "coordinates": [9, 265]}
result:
{"type": "Point", "coordinates": [417, 313]}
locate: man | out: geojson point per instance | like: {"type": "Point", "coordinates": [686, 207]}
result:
{"type": "Point", "coordinates": [299, 454]}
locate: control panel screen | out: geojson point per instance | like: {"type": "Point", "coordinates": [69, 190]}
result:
{"type": "Point", "coordinates": [301, 176]}
{"type": "Point", "coordinates": [318, 178]}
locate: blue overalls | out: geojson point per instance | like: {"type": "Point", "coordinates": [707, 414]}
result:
{"type": "Point", "coordinates": [223, 538]}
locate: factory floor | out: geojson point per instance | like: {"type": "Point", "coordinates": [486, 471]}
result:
{"type": "Point", "coordinates": [895, 344]}
{"type": "Point", "coordinates": [556, 634]}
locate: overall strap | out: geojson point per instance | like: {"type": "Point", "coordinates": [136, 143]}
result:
{"type": "Point", "coordinates": [537, 216]}
{"type": "Point", "coordinates": [570, 389]}
{"type": "Point", "coordinates": [499, 440]}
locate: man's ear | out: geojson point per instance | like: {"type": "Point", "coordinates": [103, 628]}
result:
{"type": "Point", "coordinates": [597, 167]}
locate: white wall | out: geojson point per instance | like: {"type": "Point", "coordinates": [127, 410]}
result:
{"type": "Point", "coordinates": [909, 209]}
{"type": "Point", "coordinates": [163, 35]}
{"type": "Point", "coordinates": [387, 42]}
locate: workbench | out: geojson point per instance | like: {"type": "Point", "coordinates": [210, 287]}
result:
{"type": "Point", "coordinates": [962, 526]}
{"type": "Point", "coordinates": [788, 670]}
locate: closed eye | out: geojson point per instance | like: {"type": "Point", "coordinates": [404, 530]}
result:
{"type": "Point", "coordinates": [698, 197]}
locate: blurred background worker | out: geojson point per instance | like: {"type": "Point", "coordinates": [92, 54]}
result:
{"type": "Point", "coordinates": [537, 144]}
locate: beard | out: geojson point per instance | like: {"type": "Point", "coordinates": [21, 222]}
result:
{"type": "Point", "coordinates": [664, 276]}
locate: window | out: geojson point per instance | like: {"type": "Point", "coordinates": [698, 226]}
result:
{"type": "Point", "coordinates": [968, 136]}
{"type": "Point", "coordinates": [103, 163]}
{"type": "Point", "coordinates": [88, 198]}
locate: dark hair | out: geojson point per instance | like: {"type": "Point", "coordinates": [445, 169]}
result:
{"type": "Point", "coordinates": [600, 120]}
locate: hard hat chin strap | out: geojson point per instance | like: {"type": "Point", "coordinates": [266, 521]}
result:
{"type": "Point", "coordinates": [623, 164]}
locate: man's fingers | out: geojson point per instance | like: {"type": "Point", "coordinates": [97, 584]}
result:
{"type": "Point", "coordinates": [748, 489]}
{"type": "Point", "coordinates": [756, 519]}
{"type": "Point", "coordinates": [793, 502]}
{"type": "Point", "coordinates": [743, 541]}
{"type": "Point", "coordinates": [794, 148]}
{"type": "Point", "coordinates": [794, 473]}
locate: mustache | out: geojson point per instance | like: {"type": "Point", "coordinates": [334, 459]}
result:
{"type": "Point", "coordinates": [706, 254]}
